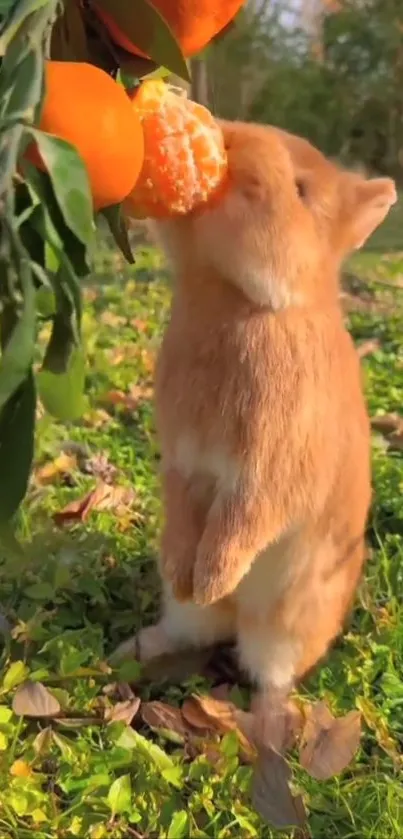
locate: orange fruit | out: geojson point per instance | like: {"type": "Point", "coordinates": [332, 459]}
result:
{"type": "Point", "coordinates": [193, 22]}
{"type": "Point", "coordinates": [184, 156]}
{"type": "Point", "coordinates": [86, 107]}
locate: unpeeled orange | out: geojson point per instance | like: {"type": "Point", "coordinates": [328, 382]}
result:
{"type": "Point", "coordinates": [86, 107]}
{"type": "Point", "coordinates": [193, 22]}
{"type": "Point", "coordinates": [185, 161]}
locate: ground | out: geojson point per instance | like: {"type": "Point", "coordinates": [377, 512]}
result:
{"type": "Point", "coordinates": [87, 580]}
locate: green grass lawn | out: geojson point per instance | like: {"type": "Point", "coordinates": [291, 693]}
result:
{"type": "Point", "coordinates": [81, 588]}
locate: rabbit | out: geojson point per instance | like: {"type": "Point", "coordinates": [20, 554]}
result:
{"type": "Point", "coordinates": [262, 422]}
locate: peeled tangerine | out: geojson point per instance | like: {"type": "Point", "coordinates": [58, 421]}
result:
{"type": "Point", "coordinates": [185, 161]}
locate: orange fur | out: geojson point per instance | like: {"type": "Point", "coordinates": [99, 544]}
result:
{"type": "Point", "coordinates": [264, 432]}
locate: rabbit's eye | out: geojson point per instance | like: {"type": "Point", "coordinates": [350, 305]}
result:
{"type": "Point", "coordinates": [301, 189]}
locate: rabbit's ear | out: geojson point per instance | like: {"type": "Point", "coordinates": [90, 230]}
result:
{"type": "Point", "coordinates": [372, 202]}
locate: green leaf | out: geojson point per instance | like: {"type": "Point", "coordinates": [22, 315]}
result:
{"type": "Point", "coordinates": [45, 302]}
{"type": "Point", "coordinates": [62, 394]}
{"type": "Point", "coordinates": [147, 29]}
{"type": "Point", "coordinates": [5, 714]}
{"type": "Point", "coordinates": [18, 354]}
{"type": "Point", "coordinates": [129, 671]}
{"type": "Point", "coordinates": [65, 745]}
{"type": "Point", "coordinates": [40, 591]}
{"type": "Point", "coordinates": [179, 825]}
{"type": "Point", "coordinates": [5, 7]}
{"type": "Point", "coordinates": [17, 426]}
{"type": "Point", "coordinates": [117, 226]}
{"type": "Point", "coordinates": [16, 673]}
{"type": "Point", "coordinates": [50, 223]}
{"type": "Point", "coordinates": [21, 87]}
{"type": "Point", "coordinates": [70, 182]}
{"type": "Point", "coordinates": [64, 336]}
{"type": "Point", "coordinates": [18, 14]}
{"type": "Point", "coordinates": [69, 38]}
{"type": "Point", "coordinates": [120, 795]}
{"type": "Point", "coordinates": [19, 802]}
{"type": "Point", "coordinates": [153, 754]}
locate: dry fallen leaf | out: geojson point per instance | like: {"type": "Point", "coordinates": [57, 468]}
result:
{"type": "Point", "coordinates": [275, 724]}
{"type": "Point", "coordinates": [387, 423]}
{"type": "Point", "coordinates": [140, 325]}
{"type": "Point", "coordinates": [43, 740]}
{"type": "Point", "coordinates": [271, 794]}
{"type": "Point", "coordinates": [328, 744]}
{"type": "Point", "coordinates": [100, 466]}
{"type": "Point", "coordinates": [102, 497]}
{"type": "Point", "coordinates": [109, 318]}
{"type": "Point", "coordinates": [129, 401]}
{"type": "Point", "coordinates": [97, 418]}
{"type": "Point", "coordinates": [209, 714]}
{"type": "Point", "coordinates": [159, 715]}
{"type": "Point", "coordinates": [141, 393]}
{"type": "Point", "coordinates": [32, 699]}
{"type": "Point", "coordinates": [63, 465]}
{"type": "Point", "coordinates": [396, 441]}
{"type": "Point", "coordinates": [194, 715]}
{"type": "Point", "coordinates": [124, 711]}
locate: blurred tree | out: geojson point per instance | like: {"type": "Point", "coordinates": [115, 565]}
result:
{"type": "Point", "coordinates": [346, 96]}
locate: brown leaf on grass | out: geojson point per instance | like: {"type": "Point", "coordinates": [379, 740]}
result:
{"type": "Point", "coordinates": [274, 723]}
{"type": "Point", "coordinates": [109, 318]}
{"type": "Point", "coordinates": [271, 794]}
{"type": "Point", "coordinates": [123, 711]}
{"type": "Point", "coordinates": [131, 400]}
{"type": "Point", "coordinates": [102, 497]}
{"type": "Point", "coordinates": [194, 715]}
{"type": "Point", "coordinates": [387, 423]}
{"type": "Point", "coordinates": [43, 741]}
{"type": "Point", "coordinates": [328, 743]}
{"type": "Point", "coordinates": [63, 465]}
{"type": "Point", "coordinates": [97, 418]}
{"type": "Point", "coordinates": [159, 715]}
{"type": "Point", "coordinates": [366, 348]}
{"type": "Point", "coordinates": [142, 393]}
{"type": "Point", "coordinates": [100, 466]}
{"type": "Point", "coordinates": [148, 359]}
{"type": "Point", "coordinates": [118, 690]}
{"type": "Point", "coordinates": [396, 441]}
{"type": "Point", "coordinates": [140, 325]}
{"type": "Point", "coordinates": [120, 398]}
{"type": "Point", "coordinates": [32, 699]}
{"type": "Point", "coordinates": [209, 714]}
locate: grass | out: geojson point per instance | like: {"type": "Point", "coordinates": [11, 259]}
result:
{"type": "Point", "coordinates": [80, 590]}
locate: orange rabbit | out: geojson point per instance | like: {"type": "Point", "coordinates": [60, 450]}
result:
{"type": "Point", "coordinates": [263, 427]}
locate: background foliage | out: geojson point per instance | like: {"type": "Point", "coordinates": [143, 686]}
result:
{"type": "Point", "coordinates": [335, 77]}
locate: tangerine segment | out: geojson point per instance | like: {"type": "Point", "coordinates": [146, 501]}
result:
{"type": "Point", "coordinates": [86, 107]}
{"type": "Point", "coordinates": [184, 156]}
